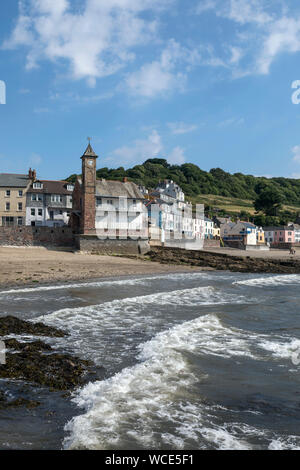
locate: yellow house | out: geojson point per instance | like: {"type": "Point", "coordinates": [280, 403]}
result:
{"type": "Point", "coordinates": [260, 236]}
{"type": "Point", "coordinates": [13, 190]}
{"type": "Point", "coordinates": [216, 232]}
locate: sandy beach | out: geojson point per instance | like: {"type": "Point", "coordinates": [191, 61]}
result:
{"type": "Point", "coordinates": [19, 266]}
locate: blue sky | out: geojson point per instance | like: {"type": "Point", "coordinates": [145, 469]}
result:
{"type": "Point", "coordinates": [201, 81]}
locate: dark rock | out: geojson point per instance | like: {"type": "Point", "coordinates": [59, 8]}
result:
{"type": "Point", "coordinates": [223, 262]}
{"type": "Point", "coordinates": [56, 371]}
{"type": "Point", "coordinates": [18, 402]}
{"type": "Point", "coordinates": [34, 362]}
{"type": "Point", "coordinates": [13, 325]}
{"type": "Point", "coordinates": [33, 346]}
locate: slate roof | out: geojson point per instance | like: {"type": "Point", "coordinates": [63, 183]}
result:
{"type": "Point", "coordinates": [51, 187]}
{"type": "Point", "coordinates": [113, 189]}
{"type": "Point", "coordinates": [8, 180]}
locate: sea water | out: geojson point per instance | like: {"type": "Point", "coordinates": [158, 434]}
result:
{"type": "Point", "coordinates": [203, 360]}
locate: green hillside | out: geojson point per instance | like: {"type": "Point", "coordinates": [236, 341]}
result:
{"type": "Point", "coordinates": [196, 182]}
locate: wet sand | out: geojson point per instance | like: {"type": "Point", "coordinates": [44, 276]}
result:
{"type": "Point", "coordinates": [19, 266]}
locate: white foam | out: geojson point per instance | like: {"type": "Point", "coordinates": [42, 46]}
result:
{"type": "Point", "coordinates": [129, 282]}
{"type": "Point", "coordinates": [95, 330]}
{"type": "Point", "coordinates": [271, 281]}
{"type": "Point", "coordinates": [129, 408]}
{"type": "Point", "coordinates": [282, 348]}
{"type": "Point", "coordinates": [288, 443]}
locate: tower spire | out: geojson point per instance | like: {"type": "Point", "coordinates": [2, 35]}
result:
{"type": "Point", "coordinates": [89, 150]}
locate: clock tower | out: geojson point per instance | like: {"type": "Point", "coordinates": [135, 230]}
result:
{"type": "Point", "coordinates": [88, 202]}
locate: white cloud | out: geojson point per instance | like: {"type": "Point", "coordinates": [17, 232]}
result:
{"type": "Point", "coordinates": [95, 41]}
{"type": "Point", "coordinates": [162, 76]}
{"type": "Point", "coordinates": [140, 150]}
{"type": "Point", "coordinates": [178, 128]}
{"type": "Point", "coordinates": [232, 122]}
{"type": "Point", "coordinates": [205, 5]}
{"type": "Point", "coordinates": [296, 152]}
{"type": "Point", "coordinates": [282, 36]}
{"type": "Point", "coordinates": [265, 30]}
{"type": "Point", "coordinates": [177, 156]}
{"type": "Point", "coordinates": [144, 149]}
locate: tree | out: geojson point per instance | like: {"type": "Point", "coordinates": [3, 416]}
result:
{"type": "Point", "coordinates": [269, 201]}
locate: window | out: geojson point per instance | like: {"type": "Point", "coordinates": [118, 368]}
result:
{"type": "Point", "coordinates": [7, 221]}
{"type": "Point", "coordinates": [20, 193]}
{"type": "Point", "coordinates": [70, 187]}
{"type": "Point", "coordinates": [56, 198]}
{"type": "Point", "coordinates": [7, 193]}
{"type": "Point", "coordinates": [33, 212]}
{"type": "Point", "coordinates": [37, 186]}
{"type": "Point", "coordinates": [20, 206]}
{"type": "Point", "coordinates": [60, 212]}
{"type": "Point", "coordinates": [36, 197]}
{"type": "Point", "coordinates": [7, 206]}
{"type": "Point", "coordinates": [40, 212]}
{"type": "Point", "coordinates": [20, 221]}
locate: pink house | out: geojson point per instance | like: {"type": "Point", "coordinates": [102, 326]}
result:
{"type": "Point", "coordinates": [279, 234]}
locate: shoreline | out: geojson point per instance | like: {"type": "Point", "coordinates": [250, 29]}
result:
{"type": "Point", "coordinates": [34, 267]}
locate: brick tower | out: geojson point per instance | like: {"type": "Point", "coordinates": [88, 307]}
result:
{"type": "Point", "coordinates": [88, 208]}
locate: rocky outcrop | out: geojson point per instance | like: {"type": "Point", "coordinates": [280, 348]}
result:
{"type": "Point", "coordinates": [12, 325]}
{"type": "Point", "coordinates": [36, 362]}
{"type": "Point", "coordinates": [223, 262]}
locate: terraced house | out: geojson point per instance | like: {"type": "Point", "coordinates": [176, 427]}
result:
{"type": "Point", "coordinates": [13, 189]}
{"type": "Point", "coordinates": [49, 203]}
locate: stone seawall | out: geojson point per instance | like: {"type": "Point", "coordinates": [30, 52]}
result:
{"type": "Point", "coordinates": [37, 236]}
{"type": "Point", "coordinates": [92, 244]}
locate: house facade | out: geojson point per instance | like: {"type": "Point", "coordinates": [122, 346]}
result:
{"type": "Point", "coordinates": [171, 189]}
{"type": "Point", "coordinates": [209, 228]}
{"type": "Point", "coordinates": [279, 235]}
{"type": "Point", "coordinates": [48, 203]}
{"type": "Point", "coordinates": [13, 189]}
{"type": "Point", "coordinates": [244, 233]}
{"type": "Point", "coordinates": [107, 209]}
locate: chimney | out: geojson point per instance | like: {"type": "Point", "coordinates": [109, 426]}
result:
{"type": "Point", "coordinates": [34, 175]}
{"type": "Point", "coordinates": [30, 174]}
{"type": "Point", "coordinates": [125, 180]}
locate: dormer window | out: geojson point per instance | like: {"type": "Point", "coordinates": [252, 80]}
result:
{"type": "Point", "coordinates": [70, 187]}
{"type": "Point", "coordinates": [37, 186]}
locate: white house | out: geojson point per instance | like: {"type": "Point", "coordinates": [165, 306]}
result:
{"type": "Point", "coordinates": [209, 228]}
{"type": "Point", "coordinates": [49, 203]}
{"type": "Point", "coordinates": [120, 207]}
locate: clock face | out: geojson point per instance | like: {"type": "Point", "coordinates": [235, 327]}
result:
{"type": "Point", "coordinates": [90, 162]}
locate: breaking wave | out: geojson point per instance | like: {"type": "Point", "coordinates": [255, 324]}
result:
{"type": "Point", "coordinates": [94, 330]}
{"type": "Point", "coordinates": [130, 409]}
{"type": "Point", "coordinates": [105, 283]}
{"type": "Point", "coordinates": [272, 281]}
{"type": "Point", "coordinates": [127, 410]}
